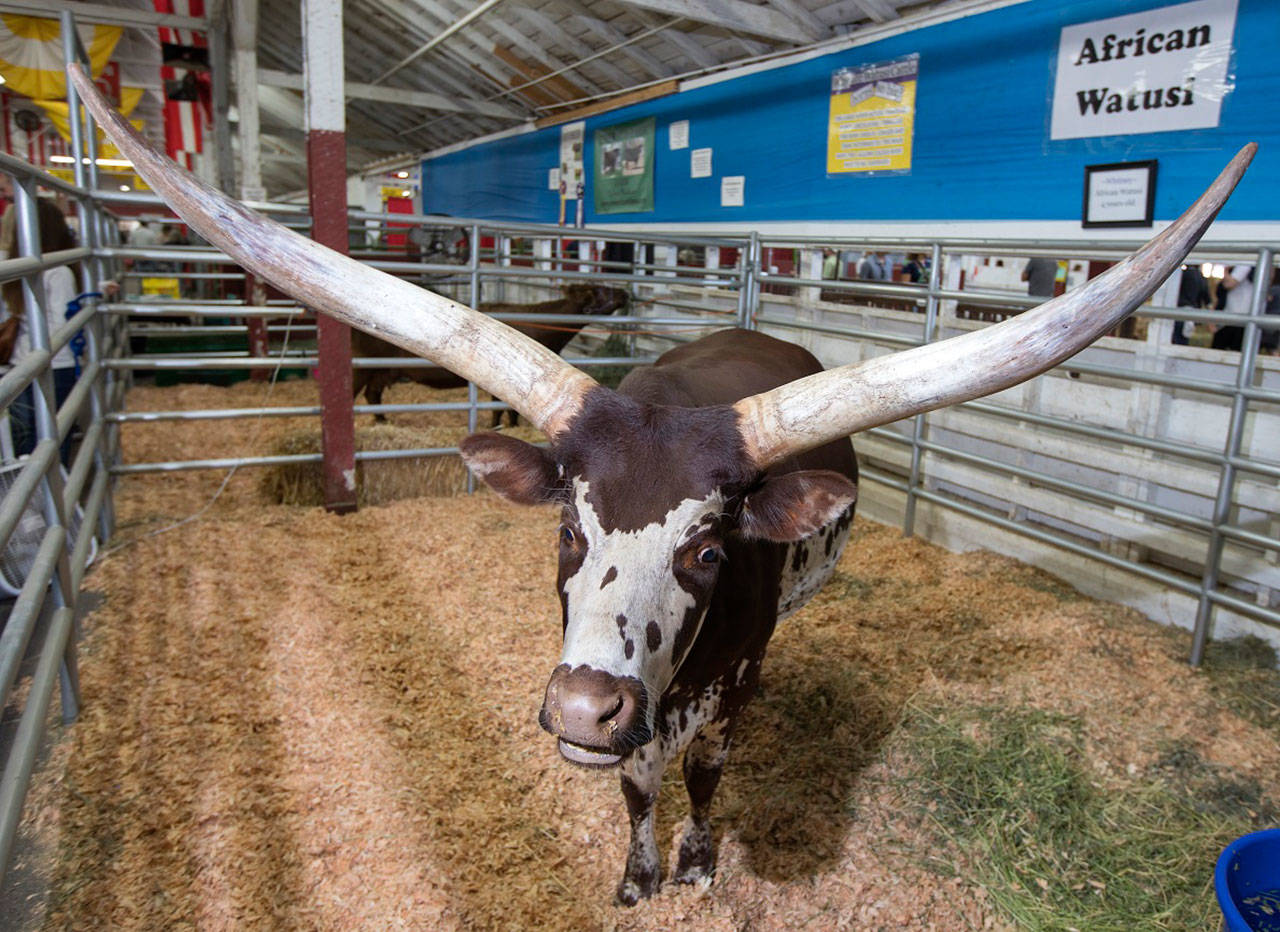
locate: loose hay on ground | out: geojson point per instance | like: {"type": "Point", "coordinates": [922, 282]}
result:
{"type": "Point", "coordinates": [381, 481]}
{"type": "Point", "coordinates": [299, 721]}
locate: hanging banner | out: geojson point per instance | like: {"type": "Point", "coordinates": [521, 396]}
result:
{"type": "Point", "coordinates": [871, 120]}
{"type": "Point", "coordinates": [1150, 72]}
{"type": "Point", "coordinates": [31, 54]}
{"type": "Point", "coordinates": [623, 176]}
{"type": "Point", "coordinates": [188, 90]}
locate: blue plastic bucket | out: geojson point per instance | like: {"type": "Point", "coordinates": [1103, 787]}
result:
{"type": "Point", "coordinates": [1247, 881]}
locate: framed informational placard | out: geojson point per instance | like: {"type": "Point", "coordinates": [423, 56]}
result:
{"type": "Point", "coordinates": [871, 117]}
{"type": "Point", "coordinates": [624, 167]}
{"type": "Point", "coordinates": [1121, 194]}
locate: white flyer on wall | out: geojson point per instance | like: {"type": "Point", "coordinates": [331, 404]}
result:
{"type": "Point", "coordinates": [553, 179]}
{"type": "Point", "coordinates": [678, 134]}
{"type": "Point", "coordinates": [700, 163]}
{"type": "Point", "coordinates": [733, 190]}
{"type": "Point", "coordinates": [1149, 72]}
{"type": "Point", "coordinates": [572, 136]}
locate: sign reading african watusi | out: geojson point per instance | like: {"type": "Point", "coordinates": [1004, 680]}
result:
{"type": "Point", "coordinates": [1150, 72]}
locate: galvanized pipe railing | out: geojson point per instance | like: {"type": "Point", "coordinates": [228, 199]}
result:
{"type": "Point", "coordinates": [40, 486]}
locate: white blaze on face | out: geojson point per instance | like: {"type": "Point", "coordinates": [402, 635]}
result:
{"type": "Point", "coordinates": [643, 590]}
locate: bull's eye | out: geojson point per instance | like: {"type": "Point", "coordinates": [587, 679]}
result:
{"type": "Point", "coordinates": [566, 535]}
{"type": "Point", "coordinates": [709, 555]}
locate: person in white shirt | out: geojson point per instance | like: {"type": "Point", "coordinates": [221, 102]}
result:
{"type": "Point", "coordinates": [61, 285]}
{"type": "Point", "coordinates": [1239, 286]}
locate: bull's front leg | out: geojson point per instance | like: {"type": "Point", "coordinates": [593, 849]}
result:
{"type": "Point", "coordinates": [641, 781]}
{"type": "Point", "coordinates": [703, 763]}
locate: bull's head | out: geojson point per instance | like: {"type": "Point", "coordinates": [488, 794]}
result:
{"type": "Point", "coordinates": [654, 496]}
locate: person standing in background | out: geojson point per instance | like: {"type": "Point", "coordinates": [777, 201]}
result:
{"type": "Point", "coordinates": [1040, 274]}
{"type": "Point", "coordinates": [1193, 292]}
{"type": "Point", "coordinates": [872, 267]}
{"type": "Point", "coordinates": [1237, 284]}
{"type": "Point", "coordinates": [61, 286]}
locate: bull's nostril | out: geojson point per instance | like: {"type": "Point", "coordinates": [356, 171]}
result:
{"type": "Point", "coordinates": [617, 707]}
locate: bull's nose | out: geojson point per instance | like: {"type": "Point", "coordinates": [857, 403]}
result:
{"type": "Point", "coordinates": [602, 711]}
{"type": "Point", "coordinates": [594, 711]}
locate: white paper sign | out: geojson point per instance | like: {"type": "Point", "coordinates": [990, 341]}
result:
{"type": "Point", "coordinates": [1118, 195]}
{"type": "Point", "coordinates": [553, 179]}
{"type": "Point", "coordinates": [732, 189]}
{"type": "Point", "coordinates": [572, 138]}
{"type": "Point", "coordinates": [1162, 69]}
{"type": "Point", "coordinates": [678, 134]}
{"type": "Point", "coordinates": [700, 163]}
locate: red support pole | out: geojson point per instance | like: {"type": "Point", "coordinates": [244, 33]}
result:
{"type": "Point", "coordinates": [327, 182]}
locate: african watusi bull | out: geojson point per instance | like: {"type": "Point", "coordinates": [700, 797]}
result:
{"type": "Point", "coordinates": [706, 498]}
{"type": "Point", "coordinates": [578, 299]}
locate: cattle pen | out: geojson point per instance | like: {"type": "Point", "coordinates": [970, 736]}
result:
{"type": "Point", "coordinates": [274, 716]}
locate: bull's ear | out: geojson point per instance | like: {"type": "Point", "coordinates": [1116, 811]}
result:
{"type": "Point", "coordinates": [518, 471]}
{"type": "Point", "coordinates": [796, 504]}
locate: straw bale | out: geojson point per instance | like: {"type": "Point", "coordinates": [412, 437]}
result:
{"type": "Point", "coordinates": [294, 720]}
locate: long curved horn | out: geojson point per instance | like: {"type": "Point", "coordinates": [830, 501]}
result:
{"type": "Point", "coordinates": [528, 376]}
{"type": "Point", "coordinates": [819, 408]}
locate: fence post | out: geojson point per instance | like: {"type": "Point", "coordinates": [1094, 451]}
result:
{"type": "Point", "coordinates": [918, 422]}
{"type": "Point", "coordinates": [44, 402]}
{"type": "Point", "coordinates": [327, 184]}
{"type": "Point", "coordinates": [473, 395]}
{"type": "Point", "coordinates": [1227, 476]}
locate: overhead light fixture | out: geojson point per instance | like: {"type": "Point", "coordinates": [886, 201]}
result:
{"type": "Point", "coordinates": [402, 174]}
{"type": "Point", "coordinates": [125, 187]}
{"type": "Point", "coordinates": [406, 194]}
{"type": "Point", "coordinates": [102, 163]}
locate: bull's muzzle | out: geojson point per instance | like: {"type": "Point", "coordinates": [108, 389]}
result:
{"type": "Point", "coordinates": [597, 716]}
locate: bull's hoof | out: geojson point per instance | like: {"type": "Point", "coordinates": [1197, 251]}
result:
{"type": "Point", "coordinates": [701, 874]}
{"type": "Point", "coordinates": [696, 862]}
{"type": "Point", "coordinates": [634, 889]}
{"type": "Point", "coordinates": [697, 869]}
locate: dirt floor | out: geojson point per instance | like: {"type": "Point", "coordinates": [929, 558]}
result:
{"type": "Point", "coordinates": [299, 721]}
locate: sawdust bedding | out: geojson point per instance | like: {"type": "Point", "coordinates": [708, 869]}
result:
{"type": "Point", "coordinates": [299, 721]}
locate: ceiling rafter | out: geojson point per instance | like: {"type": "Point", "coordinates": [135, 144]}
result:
{"type": "Point", "coordinates": [652, 65]}
{"type": "Point", "coordinates": [422, 100]}
{"type": "Point", "coordinates": [816, 27]}
{"type": "Point", "coordinates": [441, 72]}
{"type": "Point", "coordinates": [697, 53]}
{"type": "Point", "coordinates": [474, 49]}
{"type": "Point", "coordinates": [553, 31]}
{"type": "Point", "coordinates": [852, 11]}
{"type": "Point", "coordinates": [737, 15]}
{"type": "Point", "coordinates": [552, 88]}
{"type": "Point", "coordinates": [536, 51]}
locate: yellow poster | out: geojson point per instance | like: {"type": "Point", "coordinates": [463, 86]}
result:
{"type": "Point", "coordinates": [872, 117]}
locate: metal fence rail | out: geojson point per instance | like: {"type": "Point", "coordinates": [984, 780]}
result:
{"type": "Point", "coordinates": [66, 504]}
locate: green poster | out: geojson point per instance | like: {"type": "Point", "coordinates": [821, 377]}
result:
{"type": "Point", "coordinates": [623, 177]}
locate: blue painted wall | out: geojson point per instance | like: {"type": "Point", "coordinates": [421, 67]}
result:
{"type": "Point", "coordinates": [982, 148]}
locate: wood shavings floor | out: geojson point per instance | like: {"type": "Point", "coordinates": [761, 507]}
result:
{"type": "Point", "coordinates": [299, 721]}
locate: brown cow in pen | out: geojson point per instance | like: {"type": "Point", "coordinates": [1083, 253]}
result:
{"type": "Point", "coordinates": [705, 499]}
{"type": "Point", "coordinates": [578, 299]}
